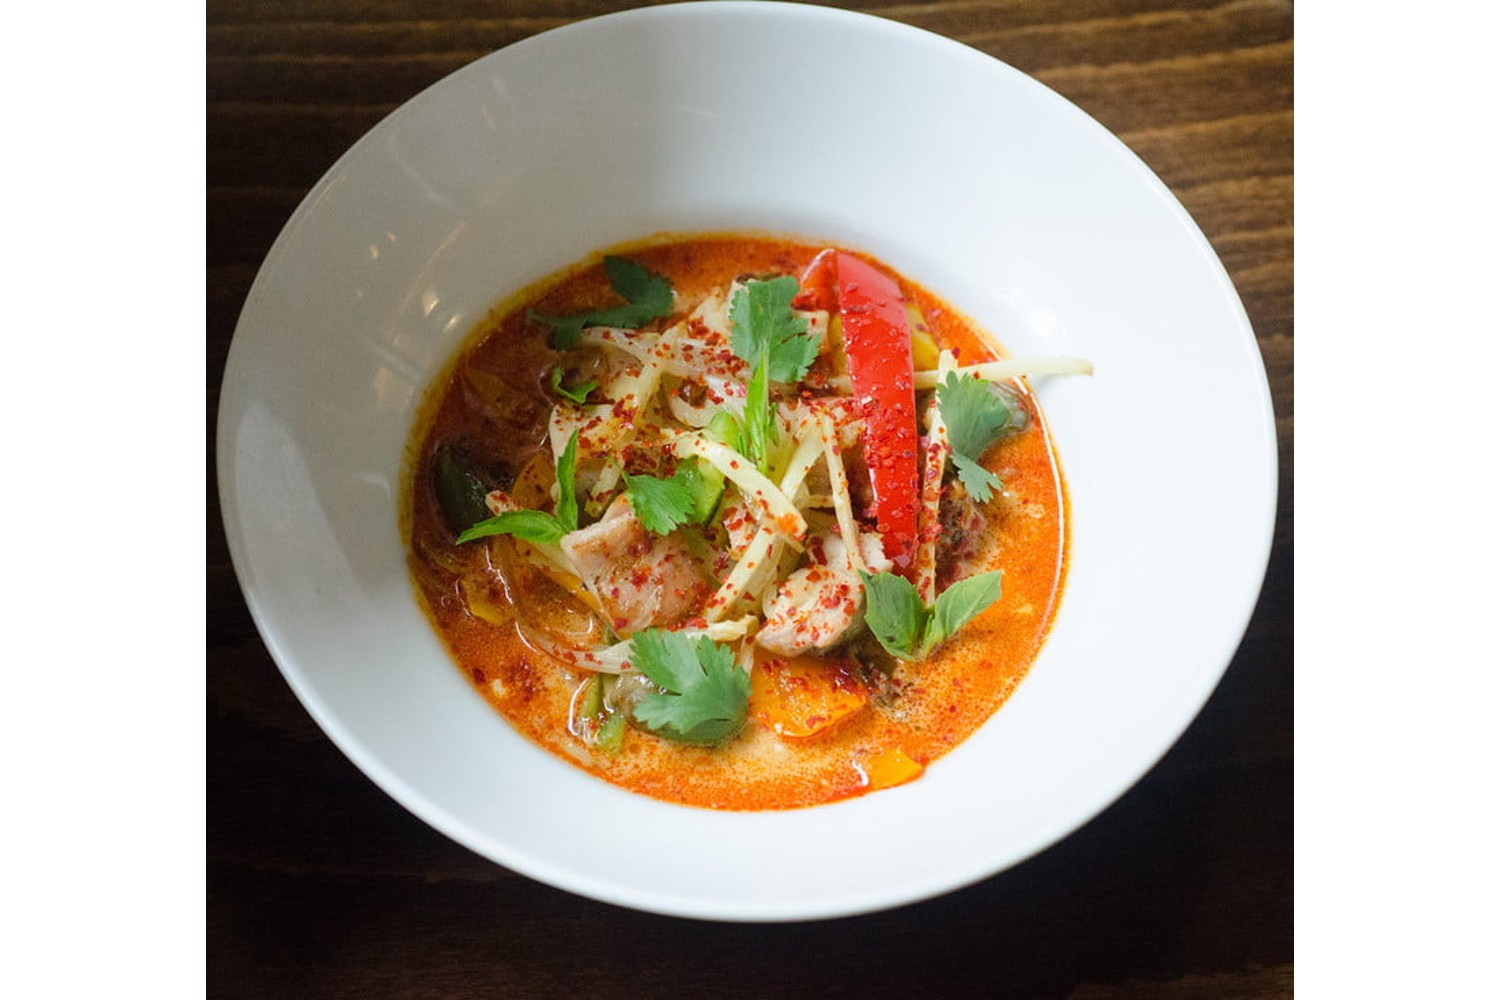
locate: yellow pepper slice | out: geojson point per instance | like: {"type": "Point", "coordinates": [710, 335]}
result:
{"type": "Point", "coordinates": [802, 696]}
{"type": "Point", "coordinates": [890, 767]}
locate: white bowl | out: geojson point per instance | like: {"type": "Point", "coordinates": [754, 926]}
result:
{"type": "Point", "coordinates": [962, 173]}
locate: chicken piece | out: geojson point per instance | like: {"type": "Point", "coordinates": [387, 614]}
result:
{"type": "Point", "coordinates": [641, 580]}
{"type": "Point", "coordinates": [817, 606]}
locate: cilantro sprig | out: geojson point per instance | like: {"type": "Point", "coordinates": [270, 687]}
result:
{"type": "Point", "coordinates": [660, 504]}
{"type": "Point", "coordinates": [766, 333]}
{"type": "Point", "coordinates": [704, 695]}
{"type": "Point", "coordinates": [763, 325]}
{"type": "Point", "coordinates": [909, 629]}
{"type": "Point", "coordinates": [975, 418]}
{"type": "Point", "coordinates": [647, 296]}
{"type": "Point", "coordinates": [535, 525]}
{"type": "Point", "coordinates": [690, 495]}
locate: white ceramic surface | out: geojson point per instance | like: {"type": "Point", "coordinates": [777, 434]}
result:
{"type": "Point", "coordinates": [962, 173]}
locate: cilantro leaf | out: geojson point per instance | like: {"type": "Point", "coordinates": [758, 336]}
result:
{"type": "Point", "coordinates": [659, 504]}
{"type": "Point", "coordinates": [529, 525]}
{"type": "Point", "coordinates": [704, 696]}
{"type": "Point", "coordinates": [670, 660]}
{"type": "Point", "coordinates": [578, 393]}
{"type": "Point", "coordinates": [646, 292]}
{"type": "Point", "coordinates": [766, 333]}
{"type": "Point", "coordinates": [975, 417]}
{"type": "Point", "coordinates": [979, 481]}
{"type": "Point", "coordinates": [764, 325]}
{"type": "Point", "coordinates": [894, 613]}
{"type": "Point", "coordinates": [909, 630]}
{"type": "Point", "coordinates": [648, 296]}
{"type": "Point", "coordinates": [958, 605]}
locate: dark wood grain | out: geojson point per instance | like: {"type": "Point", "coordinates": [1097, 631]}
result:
{"type": "Point", "coordinates": [321, 886]}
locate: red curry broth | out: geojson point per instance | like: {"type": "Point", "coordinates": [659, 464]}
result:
{"type": "Point", "coordinates": [494, 403]}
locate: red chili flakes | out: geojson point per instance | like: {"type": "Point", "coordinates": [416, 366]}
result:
{"type": "Point", "coordinates": [835, 597]}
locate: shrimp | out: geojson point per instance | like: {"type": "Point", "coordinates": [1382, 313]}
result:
{"type": "Point", "coordinates": [820, 605]}
{"type": "Point", "coordinates": [641, 580]}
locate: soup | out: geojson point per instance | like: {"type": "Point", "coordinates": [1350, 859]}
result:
{"type": "Point", "coordinates": [737, 522]}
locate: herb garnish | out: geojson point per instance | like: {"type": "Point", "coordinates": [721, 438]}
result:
{"type": "Point", "coordinates": [692, 493]}
{"type": "Point", "coordinates": [768, 335]}
{"type": "Point", "coordinates": [578, 393]}
{"type": "Point", "coordinates": [648, 296]}
{"type": "Point", "coordinates": [907, 628]}
{"type": "Point", "coordinates": [660, 504]}
{"type": "Point", "coordinates": [704, 694]}
{"type": "Point", "coordinates": [534, 525]}
{"type": "Point", "coordinates": [975, 418]}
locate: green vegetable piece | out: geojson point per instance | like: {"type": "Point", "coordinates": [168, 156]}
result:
{"type": "Point", "coordinates": [599, 727]}
{"type": "Point", "coordinates": [725, 429]}
{"type": "Point", "coordinates": [704, 482]}
{"type": "Point", "coordinates": [612, 733]}
{"type": "Point", "coordinates": [975, 418]}
{"type": "Point", "coordinates": [460, 490]}
{"type": "Point", "coordinates": [534, 525]}
{"type": "Point", "coordinates": [591, 700]}
{"type": "Point", "coordinates": [660, 504]}
{"type": "Point", "coordinates": [704, 696]}
{"type": "Point", "coordinates": [648, 297]}
{"type": "Point", "coordinates": [578, 393]}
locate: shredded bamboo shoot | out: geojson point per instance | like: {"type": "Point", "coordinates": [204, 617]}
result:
{"type": "Point", "coordinates": [1006, 368]}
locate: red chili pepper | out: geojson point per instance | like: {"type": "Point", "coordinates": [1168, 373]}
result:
{"type": "Point", "coordinates": [815, 287]}
{"type": "Point", "coordinates": [877, 343]}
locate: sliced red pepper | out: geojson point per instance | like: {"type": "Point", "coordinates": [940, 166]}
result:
{"type": "Point", "coordinates": [815, 287]}
{"type": "Point", "coordinates": [877, 343]}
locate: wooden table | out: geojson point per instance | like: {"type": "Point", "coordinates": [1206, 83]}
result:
{"type": "Point", "coordinates": [321, 886]}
